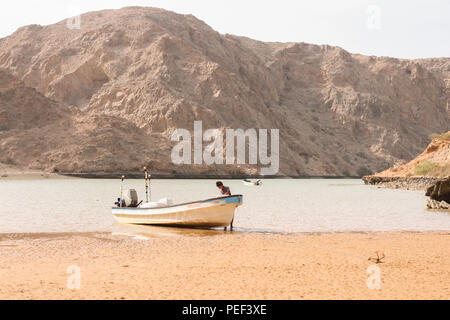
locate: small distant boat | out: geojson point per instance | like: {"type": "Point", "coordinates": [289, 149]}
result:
{"type": "Point", "coordinates": [252, 183]}
{"type": "Point", "coordinates": [210, 213]}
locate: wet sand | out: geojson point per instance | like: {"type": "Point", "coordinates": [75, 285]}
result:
{"type": "Point", "coordinates": [224, 265]}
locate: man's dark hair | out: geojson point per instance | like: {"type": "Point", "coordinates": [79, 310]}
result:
{"type": "Point", "coordinates": [219, 183]}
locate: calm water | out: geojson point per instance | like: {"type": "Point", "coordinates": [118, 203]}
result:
{"type": "Point", "coordinates": [285, 205]}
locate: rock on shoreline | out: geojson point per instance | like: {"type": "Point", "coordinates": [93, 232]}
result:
{"type": "Point", "coordinates": [405, 183]}
{"type": "Point", "coordinates": [438, 205]}
{"type": "Point", "coordinates": [439, 194]}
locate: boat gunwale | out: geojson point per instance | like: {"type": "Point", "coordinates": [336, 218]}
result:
{"type": "Point", "coordinates": [179, 204]}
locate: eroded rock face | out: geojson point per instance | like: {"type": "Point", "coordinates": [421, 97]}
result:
{"type": "Point", "coordinates": [440, 191]}
{"type": "Point", "coordinates": [128, 78]}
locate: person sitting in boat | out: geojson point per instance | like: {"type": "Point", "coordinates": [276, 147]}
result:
{"type": "Point", "coordinates": [223, 189]}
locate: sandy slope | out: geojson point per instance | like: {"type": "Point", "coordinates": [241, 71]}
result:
{"type": "Point", "coordinates": [437, 153]}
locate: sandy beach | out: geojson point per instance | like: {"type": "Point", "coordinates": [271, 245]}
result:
{"type": "Point", "coordinates": [219, 265]}
{"type": "Point", "coordinates": [14, 173]}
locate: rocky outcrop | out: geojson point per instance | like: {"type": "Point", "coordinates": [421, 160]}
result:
{"type": "Point", "coordinates": [421, 172]}
{"type": "Point", "coordinates": [440, 191]}
{"type": "Point", "coordinates": [109, 95]}
{"type": "Point", "coordinates": [436, 155]}
{"type": "Point", "coordinates": [438, 205]}
{"type": "Point", "coordinates": [439, 194]}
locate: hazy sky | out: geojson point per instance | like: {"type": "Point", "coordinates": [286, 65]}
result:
{"type": "Point", "coordinates": [397, 28]}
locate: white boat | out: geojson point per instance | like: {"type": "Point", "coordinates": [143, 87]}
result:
{"type": "Point", "coordinates": [210, 213]}
{"type": "Point", "coordinates": [252, 183]}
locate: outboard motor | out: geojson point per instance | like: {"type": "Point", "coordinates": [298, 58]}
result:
{"type": "Point", "coordinates": [129, 199]}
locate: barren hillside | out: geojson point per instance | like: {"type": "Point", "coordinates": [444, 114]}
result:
{"type": "Point", "coordinates": [433, 162]}
{"type": "Point", "coordinates": [106, 97]}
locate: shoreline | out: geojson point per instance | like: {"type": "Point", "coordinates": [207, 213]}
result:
{"type": "Point", "coordinates": [193, 232]}
{"type": "Point", "coordinates": [18, 174]}
{"type": "Point", "coordinates": [227, 266]}
{"type": "Point", "coordinates": [139, 175]}
{"type": "Point", "coordinates": [404, 183]}
{"type": "Point", "coordinates": [5, 175]}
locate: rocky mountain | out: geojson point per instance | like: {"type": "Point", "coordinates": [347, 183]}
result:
{"type": "Point", "coordinates": [106, 98]}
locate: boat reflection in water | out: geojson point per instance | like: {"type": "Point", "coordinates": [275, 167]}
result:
{"type": "Point", "coordinates": [143, 232]}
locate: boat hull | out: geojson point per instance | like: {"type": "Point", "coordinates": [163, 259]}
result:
{"type": "Point", "coordinates": [250, 183]}
{"type": "Point", "coordinates": [211, 213]}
